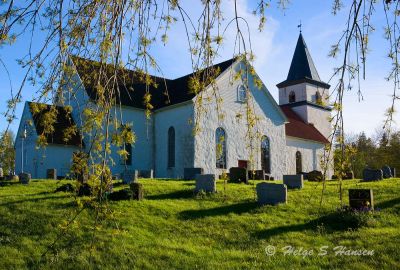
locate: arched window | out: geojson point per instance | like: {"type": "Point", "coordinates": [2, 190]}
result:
{"type": "Point", "coordinates": [171, 147]}
{"type": "Point", "coordinates": [318, 98]}
{"type": "Point", "coordinates": [220, 148]}
{"type": "Point", "coordinates": [265, 155]}
{"type": "Point", "coordinates": [242, 93]}
{"type": "Point", "coordinates": [299, 165]}
{"type": "Point", "coordinates": [292, 97]}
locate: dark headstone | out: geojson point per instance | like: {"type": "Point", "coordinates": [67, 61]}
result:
{"type": "Point", "coordinates": [24, 178]}
{"type": "Point", "coordinates": [190, 173]}
{"type": "Point", "coordinates": [238, 175]}
{"type": "Point", "coordinates": [257, 175]}
{"type": "Point", "coordinates": [393, 171]}
{"type": "Point", "coordinates": [372, 175]}
{"type": "Point", "coordinates": [348, 176]}
{"type": "Point", "coordinates": [123, 194]}
{"type": "Point", "coordinates": [206, 183]}
{"type": "Point", "coordinates": [269, 193]}
{"type": "Point", "coordinates": [145, 174]}
{"type": "Point", "coordinates": [293, 181]}
{"type": "Point", "coordinates": [65, 188]}
{"type": "Point", "coordinates": [360, 199]}
{"type": "Point", "coordinates": [82, 177]}
{"type": "Point", "coordinates": [85, 190]}
{"type": "Point", "coordinates": [137, 191]}
{"type": "Point", "coordinates": [387, 173]}
{"type": "Point", "coordinates": [315, 176]}
{"type": "Point", "coordinates": [51, 174]}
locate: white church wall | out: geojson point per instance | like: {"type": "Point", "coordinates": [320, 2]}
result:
{"type": "Point", "coordinates": [37, 161]}
{"type": "Point", "coordinates": [311, 153]}
{"type": "Point", "coordinates": [271, 124]}
{"type": "Point", "coordinates": [142, 154]}
{"type": "Point", "coordinates": [76, 96]}
{"type": "Point", "coordinates": [180, 117]}
{"type": "Point", "coordinates": [320, 118]}
{"type": "Point", "coordinates": [298, 89]}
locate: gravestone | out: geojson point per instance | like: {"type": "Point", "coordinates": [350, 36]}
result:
{"type": "Point", "coordinates": [257, 175]}
{"type": "Point", "coordinates": [393, 171]}
{"type": "Point", "coordinates": [1, 174]}
{"type": "Point", "coordinates": [387, 173]}
{"type": "Point", "coordinates": [269, 193]}
{"type": "Point", "coordinates": [372, 175]}
{"type": "Point", "coordinates": [190, 173]}
{"type": "Point", "coordinates": [130, 176]}
{"type": "Point", "coordinates": [293, 181]}
{"type": "Point", "coordinates": [137, 191]}
{"type": "Point", "coordinates": [24, 178]}
{"type": "Point", "coordinates": [51, 174]}
{"type": "Point", "coordinates": [360, 199]}
{"type": "Point", "coordinates": [314, 176]}
{"type": "Point", "coordinates": [145, 174]}
{"type": "Point", "coordinates": [205, 182]}
{"type": "Point", "coordinates": [82, 177]}
{"type": "Point", "coordinates": [238, 175]}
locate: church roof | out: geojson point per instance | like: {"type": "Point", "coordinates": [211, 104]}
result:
{"type": "Point", "coordinates": [302, 68]}
{"type": "Point", "coordinates": [132, 87]}
{"type": "Point", "coordinates": [63, 122]}
{"type": "Point", "coordinates": [296, 127]}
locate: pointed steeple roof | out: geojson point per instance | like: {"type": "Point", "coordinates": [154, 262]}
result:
{"type": "Point", "coordinates": [302, 67]}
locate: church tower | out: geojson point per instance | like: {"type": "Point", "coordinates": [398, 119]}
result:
{"type": "Point", "coordinates": [304, 92]}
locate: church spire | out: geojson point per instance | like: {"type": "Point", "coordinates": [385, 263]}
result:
{"type": "Point", "coordinates": [302, 66]}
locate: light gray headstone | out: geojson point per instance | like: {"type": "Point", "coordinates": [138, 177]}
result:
{"type": "Point", "coordinates": [205, 182]}
{"type": "Point", "coordinates": [1, 172]}
{"type": "Point", "coordinates": [130, 176]}
{"type": "Point", "coordinates": [270, 193]}
{"type": "Point", "coordinates": [293, 181]}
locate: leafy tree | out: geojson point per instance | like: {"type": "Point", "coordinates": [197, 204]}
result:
{"type": "Point", "coordinates": [7, 152]}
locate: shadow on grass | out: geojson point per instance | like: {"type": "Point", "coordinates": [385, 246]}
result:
{"type": "Point", "coordinates": [329, 223]}
{"type": "Point", "coordinates": [181, 194]}
{"type": "Point", "coordinates": [34, 199]}
{"type": "Point", "coordinates": [6, 183]}
{"type": "Point", "coordinates": [239, 208]}
{"type": "Point", "coordinates": [388, 204]}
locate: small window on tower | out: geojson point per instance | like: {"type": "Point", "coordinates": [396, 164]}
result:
{"type": "Point", "coordinates": [242, 93]}
{"type": "Point", "coordinates": [318, 98]}
{"type": "Point", "coordinates": [292, 97]}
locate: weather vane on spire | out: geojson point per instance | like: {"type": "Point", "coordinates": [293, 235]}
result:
{"type": "Point", "coordinates": [299, 26]}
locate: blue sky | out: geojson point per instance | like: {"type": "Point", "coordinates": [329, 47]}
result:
{"type": "Point", "coordinates": [273, 49]}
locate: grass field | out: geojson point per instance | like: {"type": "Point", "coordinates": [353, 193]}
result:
{"type": "Point", "coordinates": [173, 229]}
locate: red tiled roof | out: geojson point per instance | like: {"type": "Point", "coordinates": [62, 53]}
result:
{"type": "Point", "coordinates": [299, 129]}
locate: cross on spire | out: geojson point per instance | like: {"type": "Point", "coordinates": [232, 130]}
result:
{"type": "Point", "coordinates": [299, 26]}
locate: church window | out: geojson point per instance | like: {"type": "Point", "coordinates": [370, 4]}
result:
{"type": "Point", "coordinates": [318, 98]}
{"type": "Point", "coordinates": [265, 155]}
{"type": "Point", "coordinates": [220, 148]}
{"type": "Point", "coordinates": [292, 97]}
{"type": "Point", "coordinates": [171, 147]}
{"type": "Point", "coordinates": [242, 93]}
{"type": "Point", "coordinates": [299, 165]}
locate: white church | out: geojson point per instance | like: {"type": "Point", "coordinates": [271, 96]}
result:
{"type": "Point", "coordinates": [295, 131]}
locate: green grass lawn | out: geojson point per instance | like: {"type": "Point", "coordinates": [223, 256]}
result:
{"type": "Point", "coordinates": [173, 229]}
